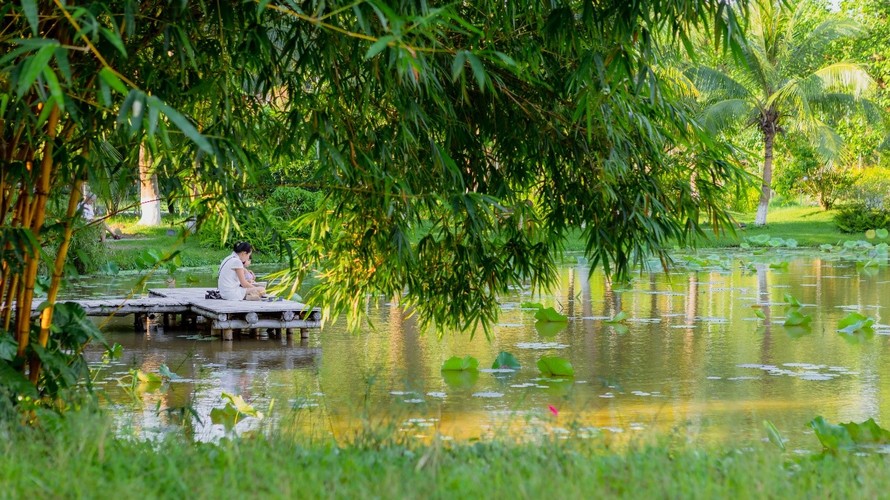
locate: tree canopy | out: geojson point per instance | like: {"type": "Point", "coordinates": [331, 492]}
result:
{"type": "Point", "coordinates": [455, 144]}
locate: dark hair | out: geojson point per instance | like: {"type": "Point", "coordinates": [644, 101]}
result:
{"type": "Point", "coordinates": [242, 246]}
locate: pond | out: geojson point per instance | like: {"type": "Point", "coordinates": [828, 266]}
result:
{"type": "Point", "coordinates": [704, 354]}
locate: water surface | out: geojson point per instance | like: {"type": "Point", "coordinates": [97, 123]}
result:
{"type": "Point", "coordinates": [693, 360]}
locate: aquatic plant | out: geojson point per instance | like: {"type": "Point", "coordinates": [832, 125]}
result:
{"type": "Point", "coordinates": [554, 366]}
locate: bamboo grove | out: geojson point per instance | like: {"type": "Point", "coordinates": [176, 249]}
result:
{"type": "Point", "coordinates": [455, 144]}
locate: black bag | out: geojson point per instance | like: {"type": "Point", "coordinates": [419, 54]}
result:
{"type": "Point", "coordinates": [213, 294]}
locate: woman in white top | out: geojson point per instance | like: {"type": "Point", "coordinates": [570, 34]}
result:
{"type": "Point", "coordinates": [232, 281]}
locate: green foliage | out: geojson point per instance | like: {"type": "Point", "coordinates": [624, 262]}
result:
{"type": "Point", "coordinates": [88, 253]}
{"type": "Point", "coordinates": [620, 317]}
{"type": "Point", "coordinates": [859, 218]}
{"type": "Point", "coordinates": [805, 173]}
{"type": "Point", "coordinates": [235, 410]}
{"type": "Point", "coordinates": [548, 314]}
{"type": "Point", "coordinates": [854, 322]}
{"type": "Point", "coordinates": [849, 436]}
{"type": "Point", "coordinates": [872, 189]}
{"type": "Point", "coordinates": [774, 435]}
{"type": "Point", "coordinates": [506, 360]}
{"type": "Point", "coordinates": [454, 363]}
{"type": "Point", "coordinates": [796, 318]}
{"type": "Point", "coordinates": [554, 366]}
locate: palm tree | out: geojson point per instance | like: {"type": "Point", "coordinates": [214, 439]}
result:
{"type": "Point", "coordinates": [783, 82]}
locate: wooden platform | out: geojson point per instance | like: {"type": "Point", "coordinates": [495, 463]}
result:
{"type": "Point", "coordinates": [224, 316]}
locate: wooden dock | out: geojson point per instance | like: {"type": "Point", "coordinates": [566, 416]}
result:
{"type": "Point", "coordinates": [224, 317]}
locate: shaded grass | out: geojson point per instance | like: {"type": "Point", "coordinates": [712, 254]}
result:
{"type": "Point", "coordinates": [79, 457]}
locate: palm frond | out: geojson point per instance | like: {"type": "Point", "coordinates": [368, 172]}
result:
{"type": "Point", "coordinates": [847, 76]}
{"type": "Point", "coordinates": [714, 82]}
{"type": "Point", "coordinates": [725, 114]}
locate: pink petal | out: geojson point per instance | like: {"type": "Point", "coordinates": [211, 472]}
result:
{"type": "Point", "coordinates": [553, 409]}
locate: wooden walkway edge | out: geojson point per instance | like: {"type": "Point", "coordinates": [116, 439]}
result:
{"type": "Point", "coordinates": [224, 316]}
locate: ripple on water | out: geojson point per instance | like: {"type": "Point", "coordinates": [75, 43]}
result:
{"type": "Point", "coordinates": [488, 395]}
{"type": "Point", "coordinates": [540, 345]}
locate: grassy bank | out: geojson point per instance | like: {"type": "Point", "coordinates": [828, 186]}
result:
{"type": "Point", "coordinates": [80, 458]}
{"type": "Point", "coordinates": [809, 226]}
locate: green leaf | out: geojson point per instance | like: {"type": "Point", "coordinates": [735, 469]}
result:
{"type": "Point", "coordinates": [882, 233]}
{"type": "Point", "coordinates": [618, 318]}
{"type": "Point", "coordinates": [478, 69]}
{"type": "Point", "coordinates": [791, 301]}
{"type": "Point", "coordinates": [241, 406]}
{"type": "Point", "coordinates": [114, 39]}
{"type": "Point", "coordinates": [110, 78]}
{"type": "Point", "coordinates": [30, 9]}
{"type": "Point", "coordinates": [549, 328]}
{"type": "Point", "coordinates": [183, 124]}
{"type": "Point", "coordinates": [33, 67]}
{"type": "Point", "coordinates": [795, 318]}
{"type": "Point", "coordinates": [759, 313]}
{"type": "Point", "coordinates": [850, 435]}
{"type": "Point", "coordinates": [774, 435]}
{"type": "Point", "coordinates": [506, 360]}
{"type": "Point", "coordinates": [460, 364]}
{"type": "Point", "coordinates": [226, 416]}
{"type": "Point", "coordinates": [550, 314]}
{"type": "Point", "coordinates": [460, 379]}
{"type": "Point", "coordinates": [147, 377]}
{"type": "Point", "coordinates": [826, 247]}
{"type": "Point", "coordinates": [779, 265]}
{"type": "Point", "coordinates": [378, 46]}
{"type": "Point", "coordinates": [555, 366]}
{"type": "Point", "coordinates": [854, 322]}
{"type": "Point", "coordinates": [115, 351]}
{"type": "Point", "coordinates": [870, 234]}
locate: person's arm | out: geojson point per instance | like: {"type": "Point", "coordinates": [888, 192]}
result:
{"type": "Point", "coordinates": [243, 279]}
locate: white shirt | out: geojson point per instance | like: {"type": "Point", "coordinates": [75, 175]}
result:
{"type": "Point", "coordinates": [228, 283]}
{"type": "Point", "coordinates": [87, 211]}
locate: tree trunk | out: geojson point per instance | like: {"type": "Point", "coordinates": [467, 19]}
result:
{"type": "Point", "coordinates": [769, 136]}
{"type": "Point", "coordinates": [150, 196]}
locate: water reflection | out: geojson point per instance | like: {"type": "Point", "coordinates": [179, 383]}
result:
{"type": "Point", "coordinates": [693, 359]}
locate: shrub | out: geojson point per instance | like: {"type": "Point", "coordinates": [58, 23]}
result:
{"type": "Point", "coordinates": [264, 228]}
{"type": "Point", "coordinates": [87, 253]}
{"type": "Point", "coordinates": [859, 217]}
{"type": "Point", "coordinates": [872, 189]}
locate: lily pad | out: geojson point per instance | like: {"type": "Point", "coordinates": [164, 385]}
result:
{"type": "Point", "coordinates": [795, 318]}
{"type": "Point", "coordinates": [854, 322]}
{"type": "Point", "coordinates": [460, 379]}
{"type": "Point", "coordinates": [618, 318]}
{"type": "Point", "coordinates": [531, 305]}
{"type": "Point", "coordinates": [550, 314]}
{"type": "Point", "coordinates": [506, 360]}
{"type": "Point", "coordinates": [555, 366]}
{"type": "Point", "coordinates": [791, 301]}
{"type": "Point", "coordinates": [549, 328]}
{"type": "Point", "coordinates": [850, 435]}
{"type": "Point", "coordinates": [460, 364]}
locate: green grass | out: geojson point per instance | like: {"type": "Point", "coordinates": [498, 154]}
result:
{"type": "Point", "coordinates": [809, 226]}
{"type": "Point", "coordinates": [80, 457]}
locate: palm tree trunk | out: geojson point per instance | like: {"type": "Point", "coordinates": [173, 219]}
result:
{"type": "Point", "coordinates": [769, 136]}
{"type": "Point", "coordinates": [149, 192]}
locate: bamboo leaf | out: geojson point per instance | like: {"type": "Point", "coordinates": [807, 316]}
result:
{"type": "Point", "coordinates": [33, 67]}
{"type": "Point", "coordinates": [30, 9]}
{"type": "Point", "coordinates": [110, 78]}
{"type": "Point", "coordinates": [478, 69]}
{"type": "Point", "coordinates": [378, 46]}
{"type": "Point", "coordinates": [183, 124]}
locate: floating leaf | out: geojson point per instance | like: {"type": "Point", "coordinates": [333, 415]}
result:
{"type": "Point", "coordinates": [854, 322]}
{"type": "Point", "coordinates": [506, 360]}
{"type": "Point", "coordinates": [759, 313]}
{"type": "Point", "coordinates": [618, 318]}
{"type": "Point", "coordinates": [849, 435]}
{"type": "Point", "coordinates": [795, 318]}
{"type": "Point", "coordinates": [882, 233]}
{"type": "Point", "coordinates": [791, 301]}
{"type": "Point", "coordinates": [241, 406]}
{"type": "Point", "coordinates": [826, 247]}
{"type": "Point", "coordinates": [619, 328]}
{"type": "Point", "coordinates": [549, 328]}
{"type": "Point", "coordinates": [773, 434]}
{"type": "Point", "coordinates": [460, 379]}
{"type": "Point", "coordinates": [870, 234]}
{"type": "Point", "coordinates": [555, 366]}
{"type": "Point", "coordinates": [549, 314]}
{"type": "Point", "coordinates": [460, 364]}
{"type": "Point", "coordinates": [779, 265]}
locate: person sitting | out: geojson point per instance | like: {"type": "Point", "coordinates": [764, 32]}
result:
{"type": "Point", "coordinates": [88, 211]}
{"type": "Point", "coordinates": [232, 281]}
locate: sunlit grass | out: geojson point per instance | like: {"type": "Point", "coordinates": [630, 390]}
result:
{"type": "Point", "coordinates": [81, 457]}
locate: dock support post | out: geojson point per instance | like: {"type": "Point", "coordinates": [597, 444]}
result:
{"type": "Point", "coordinates": [304, 333]}
{"type": "Point", "coordinates": [227, 334]}
{"type": "Point", "coordinates": [166, 320]}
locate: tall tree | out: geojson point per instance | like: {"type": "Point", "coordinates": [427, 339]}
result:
{"type": "Point", "coordinates": [149, 194]}
{"type": "Point", "coordinates": [493, 128]}
{"type": "Point", "coordinates": [781, 80]}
